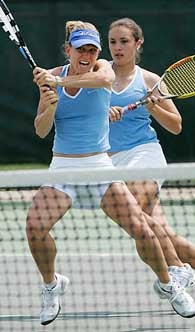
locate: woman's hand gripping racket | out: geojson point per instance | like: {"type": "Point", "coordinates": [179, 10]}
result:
{"type": "Point", "coordinates": [178, 81]}
{"type": "Point", "coordinates": [9, 25]}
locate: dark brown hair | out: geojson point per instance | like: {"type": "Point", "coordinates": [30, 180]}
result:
{"type": "Point", "coordinates": [136, 30]}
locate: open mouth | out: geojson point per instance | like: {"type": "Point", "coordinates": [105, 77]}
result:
{"type": "Point", "coordinates": [84, 63]}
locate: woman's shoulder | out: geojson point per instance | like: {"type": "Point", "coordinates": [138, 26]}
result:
{"type": "Point", "coordinates": [150, 78]}
{"type": "Point", "coordinates": [101, 60]}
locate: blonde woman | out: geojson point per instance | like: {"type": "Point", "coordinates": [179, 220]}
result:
{"type": "Point", "coordinates": [77, 104]}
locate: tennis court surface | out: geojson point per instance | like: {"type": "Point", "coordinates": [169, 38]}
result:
{"type": "Point", "coordinates": [110, 289]}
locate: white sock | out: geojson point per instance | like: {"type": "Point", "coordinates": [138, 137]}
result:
{"type": "Point", "coordinates": [166, 286]}
{"type": "Point", "coordinates": [51, 284]}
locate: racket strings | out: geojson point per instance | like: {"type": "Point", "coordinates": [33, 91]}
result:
{"type": "Point", "coordinates": [180, 80]}
{"type": "Point", "coordinates": [8, 24]}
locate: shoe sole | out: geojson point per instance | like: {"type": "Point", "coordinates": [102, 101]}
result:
{"type": "Point", "coordinates": [162, 296]}
{"type": "Point", "coordinates": [190, 316]}
{"type": "Point", "coordinates": [51, 320]}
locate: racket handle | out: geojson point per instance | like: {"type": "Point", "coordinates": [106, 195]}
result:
{"type": "Point", "coordinates": [129, 108]}
{"type": "Point", "coordinates": [26, 54]}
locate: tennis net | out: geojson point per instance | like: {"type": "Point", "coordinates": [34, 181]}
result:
{"type": "Point", "coordinates": [111, 288]}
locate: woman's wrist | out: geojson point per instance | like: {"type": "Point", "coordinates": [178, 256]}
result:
{"type": "Point", "coordinates": [58, 80]}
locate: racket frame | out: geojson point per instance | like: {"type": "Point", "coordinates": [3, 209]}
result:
{"type": "Point", "coordinates": [10, 26]}
{"type": "Point", "coordinates": [157, 86]}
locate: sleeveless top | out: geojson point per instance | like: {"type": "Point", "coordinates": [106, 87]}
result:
{"type": "Point", "coordinates": [82, 121]}
{"type": "Point", "coordinates": [134, 129]}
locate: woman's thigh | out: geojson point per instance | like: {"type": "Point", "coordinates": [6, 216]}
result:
{"type": "Point", "coordinates": [146, 194]}
{"type": "Point", "coordinates": [118, 202]}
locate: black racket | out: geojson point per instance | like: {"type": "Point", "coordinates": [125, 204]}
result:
{"type": "Point", "coordinates": [9, 25]}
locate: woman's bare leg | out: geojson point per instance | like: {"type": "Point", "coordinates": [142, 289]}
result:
{"type": "Point", "coordinates": [146, 195]}
{"type": "Point", "coordinates": [121, 206]}
{"type": "Point", "coordinates": [184, 248]}
{"type": "Point", "coordinates": [47, 207]}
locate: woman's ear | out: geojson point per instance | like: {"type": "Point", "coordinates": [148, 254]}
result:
{"type": "Point", "coordinates": [139, 44]}
{"type": "Point", "coordinates": [67, 49]}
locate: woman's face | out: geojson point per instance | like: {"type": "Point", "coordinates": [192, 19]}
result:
{"type": "Point", "coordinates": [82, 59]}
{"type": "Point", "coordinates": [122, 45]}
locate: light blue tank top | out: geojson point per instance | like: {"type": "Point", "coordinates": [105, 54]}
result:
{"type": "Point", "coordinates": [82, 121]}
{"type": "Point", "coordinates": [134, 128]}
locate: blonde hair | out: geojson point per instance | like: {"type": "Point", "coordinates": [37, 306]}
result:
{"type": "Point", "coordinates": [136, 31]}
{"type": "Point", "coordinates": [76, 25]}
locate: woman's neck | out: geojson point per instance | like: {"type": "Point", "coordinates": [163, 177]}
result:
{"type": "Point", "coordinates": [123, 76]}
{"type": "Point", "coordinates": [125, 70]}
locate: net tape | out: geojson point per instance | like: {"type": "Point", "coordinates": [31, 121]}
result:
{"type": "Point", "coordinates": [22, 178]}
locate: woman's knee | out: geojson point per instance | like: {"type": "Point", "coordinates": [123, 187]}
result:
{"type": "Point", "coordinates": [146, 194]}
{"type": "Point", "coordinates": [140, 231]}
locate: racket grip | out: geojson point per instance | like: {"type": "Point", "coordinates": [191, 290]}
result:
{"type": "Point", "coordinates": [129, 108]}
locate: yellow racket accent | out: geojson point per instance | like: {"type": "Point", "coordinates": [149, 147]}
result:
{"type": "Point", "coordinates": [178, 81]}
{"type": "Point", "coordinates": [189, 58]}
{"type": "Point", "coordinates": [180, 78]}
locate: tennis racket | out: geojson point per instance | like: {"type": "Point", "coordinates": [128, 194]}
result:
{"type": "Point", "coordinates": [9, 25]}
{"type": "Point", "coordinates": [178, 81]}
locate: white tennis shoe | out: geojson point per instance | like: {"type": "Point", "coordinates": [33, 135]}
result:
{"type": "Point", "coordinates": [184, 275]}
{"type": "Point", "coordinates": [50, 307]}
{"type": "Point", "coordinates": [182, 303]}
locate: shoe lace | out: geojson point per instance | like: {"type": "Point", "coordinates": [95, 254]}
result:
{"type": "Point", "coordinates": [184, 275]}
{"type": "Point", "coordinates": [47, 296]}
{"type": "Point", "coordinates": [178, 292]}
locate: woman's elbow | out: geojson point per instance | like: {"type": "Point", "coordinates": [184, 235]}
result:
{"type": "Point", "coordinates": [106, 78]}
{"type": "Point", "coordinates": [39, 131]}
{"type": "Point", "coordinates": [40, 134]}
{"type": "Point", "coordinates": [105, 81]}
{"type": "Point", "coordinates": [178, 129]}
{"type": "Point", "coordinates": [110, 79]}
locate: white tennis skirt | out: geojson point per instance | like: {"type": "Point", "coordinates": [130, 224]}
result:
{"type": "Point", "coordinates": [149, 155]}
{"type": "Point", "coordinates": [83, 195]}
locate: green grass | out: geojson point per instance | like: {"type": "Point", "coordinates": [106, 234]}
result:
{"type": "Point", "coordinates": [12, 167]}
